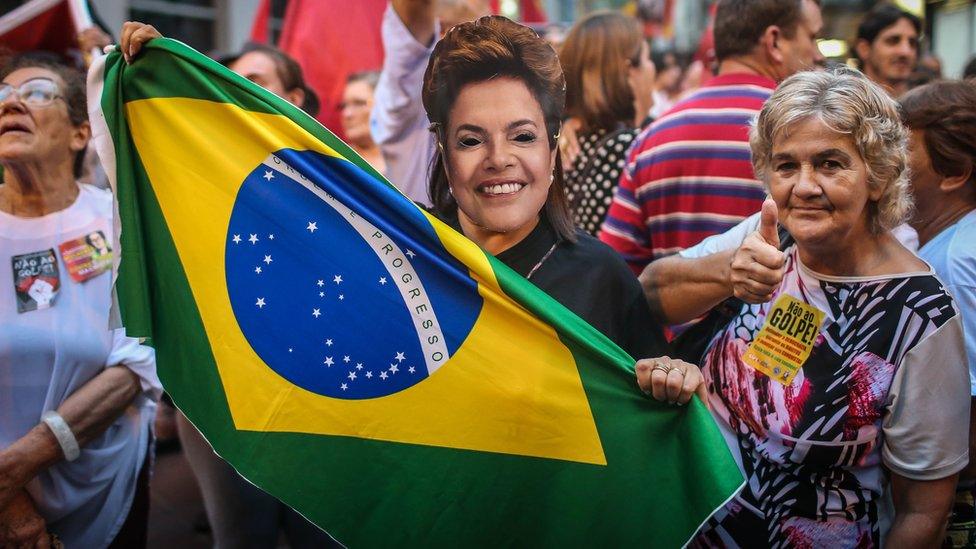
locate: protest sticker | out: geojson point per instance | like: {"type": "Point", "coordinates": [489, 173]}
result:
{"type": "Point", "coordinates": [36, 280]}
{"type": "Point", "coordinates": [786, 339]}
{"type": "Point", "coordinates": [86, 257]}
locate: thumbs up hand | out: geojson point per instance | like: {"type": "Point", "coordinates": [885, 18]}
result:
{"type": "Point", "coordinates": [757, 267]}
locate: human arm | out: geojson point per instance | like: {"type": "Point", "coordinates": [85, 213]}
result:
{"type": "Point", "coordinates": [926, 434]}
{"type": "Point", "coordinates": [419, 17]}
{"type": "Point", "coordinates": [88, 412]}
{"type": "Point", "coordinates": [922, 509]}
{"type": "Point", "coordinates": [21, 525]}
{"type": "Point", "coordinates": [743, 263]}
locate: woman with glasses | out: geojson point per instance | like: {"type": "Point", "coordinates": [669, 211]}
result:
{"type": "Point", "coordinates": [76, 396]}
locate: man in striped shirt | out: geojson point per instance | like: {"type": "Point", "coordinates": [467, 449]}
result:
{"type": "Point", "coordinates": [688, 176]}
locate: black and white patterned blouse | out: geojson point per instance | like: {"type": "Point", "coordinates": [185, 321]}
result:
{"type": "Point", "coordinates": [595, 174]}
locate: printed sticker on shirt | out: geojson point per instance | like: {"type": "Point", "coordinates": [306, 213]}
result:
{"type": "Point", "coordinates": [87, 257]}
{"type": "Point", "coordinates": [36, 280]}
{"type": "Point", "coordinates": [786, 339]}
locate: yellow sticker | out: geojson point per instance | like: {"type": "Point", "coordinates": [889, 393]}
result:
{"type": "Point", "coordinates": [786, 339]}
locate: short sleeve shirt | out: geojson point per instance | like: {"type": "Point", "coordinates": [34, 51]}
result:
{"type": "Point", "coordinates": [952, 253]}
{"type": "Point", "coordinates": [886, 376]}
{"type": "Point", "coordinates": [595, 174]}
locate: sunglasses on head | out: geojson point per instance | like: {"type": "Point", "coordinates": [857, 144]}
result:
{"type": "Point", "coordinates": [36, 92]}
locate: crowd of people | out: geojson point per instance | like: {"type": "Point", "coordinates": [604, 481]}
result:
{"type": "Point", "coordinates": [836, 205]}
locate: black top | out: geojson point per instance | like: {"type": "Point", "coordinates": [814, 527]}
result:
{"type": "Point", "coordinates": [591, 280]}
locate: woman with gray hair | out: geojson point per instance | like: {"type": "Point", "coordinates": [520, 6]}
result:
{"type": "Point", "coordinates": [840, 379]}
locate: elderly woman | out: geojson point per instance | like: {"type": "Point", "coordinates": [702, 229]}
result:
{"type": "Point", "coordinates": [77, 397]}
{"type": "Point", "coordinates": [841, 381]}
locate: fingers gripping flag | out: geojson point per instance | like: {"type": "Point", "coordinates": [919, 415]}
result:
{"type": "Point", "coordinates": [357, 358]}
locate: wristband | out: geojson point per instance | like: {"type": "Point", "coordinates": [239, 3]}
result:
{"type": "Point", "coordinates": [66, 439]}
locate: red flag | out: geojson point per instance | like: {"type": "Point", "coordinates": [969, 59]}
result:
{"type": "Point", "coordinates": [332, 39]}
{"type": "Point", "coordinates": [532, 12]}
{"type": "Point", "coordinates": [259, 29]}
{"type": "Point", "coordinates": [51, 25]}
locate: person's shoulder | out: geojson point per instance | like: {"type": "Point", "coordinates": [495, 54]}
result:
{"type": "Point", "coordinates": [599, 256]}
{"type": "Point", "coordinates": [95, 198]}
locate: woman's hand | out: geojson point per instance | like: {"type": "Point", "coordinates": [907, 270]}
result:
{"type": "Point", "coordinates": [757, 267]}
{"type": "Point", "coordinates": [568, 142]}
{"type": "Point", "coordinates": [21, 525]}
{"type": "Point", "coordinates": [670, 379]}
{"type": "Point", "coordinates": [93, 38]}
{"type": "Point", "coordinates": [134, 34]}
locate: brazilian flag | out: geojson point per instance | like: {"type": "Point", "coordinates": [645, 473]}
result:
{"type": "Point", "coordinates": [360, 360]}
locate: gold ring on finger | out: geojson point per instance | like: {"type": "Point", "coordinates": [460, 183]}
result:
{"type": "Point", "coordinates": [662, 367]}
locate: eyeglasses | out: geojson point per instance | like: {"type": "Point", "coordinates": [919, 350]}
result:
{"type": "Point", "coordinates": [36, 92]}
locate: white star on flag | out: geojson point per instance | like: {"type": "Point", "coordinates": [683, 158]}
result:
{"type": "Point", "coordinates": [271, 236]}
{"type": "Point", "coordinates": [400, 357]}
{"type": "Point", "coordinates": [320, 283]}
{"type": "Point", "coordinates": [267, 259]}
{"type": "Point", "coordinates": [316, 313]}
{"type": "Point", "coordinates": [383, 280]}
{"type": "Point", "coordinates": [344, 386]}
{"type": "Point", "coordinates": [260, 302]}
{"type": "Point", "coordinates": [253, 239]}
{"type": "Point", "coordinates": [257, 269]}
{"type": "Point", "coordinates": [359, 365]}
{"type": "Point", "coordinates": [321, 294]}
{"type": "Point", "coordinates": [268, 175]}
{"type": "Point", "coordinates": [328, 342]}
{"type": "Point", "coordinates": [369, 374]}
{"type": "Point", "coordinates": [410, 254]}
{"type": "Point", "coordinates": [337, 279]}
{"type": "Point", "coordinates": [328, 361]}
{"type": "Point", "coordinates": [346, 359]}
{"type": "Point", "coordinates": [237, 239]}
{"type": "Point", "coordinates": [411, 369]}
{"type": "Point", "coordinates": [393, 368]}
{"type": "Point", "coordinates": [341, 297]}
{"type": "Point", "coordinates": [352, 376]}
{"type": "Point", "coordinates": [311, 227]}
{"type": "Point", "coordinates": [382, 375]}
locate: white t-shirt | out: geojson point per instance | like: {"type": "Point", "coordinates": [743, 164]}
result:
{"type": "Point", "coordinates": [55, 339]}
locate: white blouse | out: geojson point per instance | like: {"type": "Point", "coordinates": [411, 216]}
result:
{"type": "Point", "coordinates": [55, 337]}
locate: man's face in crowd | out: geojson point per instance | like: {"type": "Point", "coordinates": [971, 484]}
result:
{"type": "Point", "coordinates": [891, 57]}
{"type": "Point", "coordinates": [801, 52]}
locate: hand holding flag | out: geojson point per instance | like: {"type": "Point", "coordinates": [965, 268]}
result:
{"type": "Point", "coordinates": [359, 359]}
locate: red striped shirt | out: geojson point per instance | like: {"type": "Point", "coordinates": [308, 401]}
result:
{"type": "Point", "coordinates": [688, 176]}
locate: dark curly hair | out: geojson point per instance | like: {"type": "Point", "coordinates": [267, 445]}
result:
{"type": "Point", "coordinates": [480, 50]}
